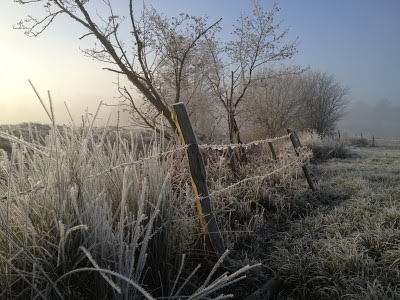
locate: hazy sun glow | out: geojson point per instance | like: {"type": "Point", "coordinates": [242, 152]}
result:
{"type": "Point", "coordinates": [54, 63]}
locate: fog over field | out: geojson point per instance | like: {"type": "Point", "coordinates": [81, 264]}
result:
{"type": "Point", "coordinates": [381, 119]}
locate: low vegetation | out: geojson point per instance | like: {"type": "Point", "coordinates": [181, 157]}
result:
{"type": "Point", "coordinates": [132, 232]}
{"type": "Point", "coordinates": [70, 232]}
{"type": "Point", "coordinates": [348, 246]}
{"type": "Point", "coordinates": [326, 147]}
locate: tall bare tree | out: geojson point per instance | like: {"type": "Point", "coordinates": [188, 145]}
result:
{"type": "Point", "coordinates": [306, 100]}
{"type": "Point", "coordinates": [275, 102]}
{"type": "Point", "coordinates": [154, 42]}
{"type": "Point", "coordinates": [324, 101]}
{"type": "Point", "coordinates": [257, 40]}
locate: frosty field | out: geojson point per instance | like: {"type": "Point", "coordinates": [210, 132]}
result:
{"type": "Point", "coordinates": [133, 232]}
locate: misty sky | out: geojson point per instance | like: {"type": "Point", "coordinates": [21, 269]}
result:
{"type": "Point", "coordinates": [356, 40]}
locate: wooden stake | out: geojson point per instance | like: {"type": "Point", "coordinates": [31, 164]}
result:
{"type": "Point", "coordinates": [271, 147]}
{"type": "Point", "coordinates": [199, 177]}
{"type": "Point", "coordinates": [296, 145]}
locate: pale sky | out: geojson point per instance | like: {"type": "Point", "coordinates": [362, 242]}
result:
{"type": "Point", "coordinates": [356, 40]}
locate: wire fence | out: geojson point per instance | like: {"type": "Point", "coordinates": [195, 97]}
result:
{"type": "Point", "coordinates": [163, 154]}
{"type": "Point", "coordinates": [35, 187]}
{"type": "Point", "coordinates": [245, 146]}
{"type": "Point", "coordinates": [254, 178]}
{"type": "Point", "coordinates": [138, 162]}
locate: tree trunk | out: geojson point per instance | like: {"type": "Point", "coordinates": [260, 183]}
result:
{"type": "Point", "coordinates": [236, 133]}
{"type": "Point", "coordinates": [234, 138]}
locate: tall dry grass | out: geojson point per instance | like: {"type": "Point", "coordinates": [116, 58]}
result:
{"type": "Point", "coordinates": [74, 225]}
{"type": "Point", "coordinates": [131, 233]}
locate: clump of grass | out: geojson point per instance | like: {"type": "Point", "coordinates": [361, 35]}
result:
{"type": "Point", "coordinates": [359, 141]}
{"type": "Point", "coordinates": [326, 147]}
{"type": "Point", "coordinates": [26, 131]}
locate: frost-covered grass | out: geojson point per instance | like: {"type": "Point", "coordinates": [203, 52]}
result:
{"type": "Point", "coordinates": [326, 147]}
{"type": "Point", "coordinates": [348, 247]}
{"type": "Point", "coordinates": [132, 232]}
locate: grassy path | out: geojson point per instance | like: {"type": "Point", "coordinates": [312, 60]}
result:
{"type": "Point", "coordinates": [349, 247]}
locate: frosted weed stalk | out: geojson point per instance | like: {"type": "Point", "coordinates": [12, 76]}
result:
{"type": "Point", "coordinates": [111, 236]}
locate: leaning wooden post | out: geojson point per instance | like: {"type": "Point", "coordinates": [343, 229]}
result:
{"type": "Point", "coordinates": [271, 147]}
{"type": "Point", "coordinates": [199, 177]}
{"type": "Point", "coordinates": [297, 145]}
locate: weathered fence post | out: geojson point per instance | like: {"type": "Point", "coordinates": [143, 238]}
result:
{"type": "Point", "coordinates": [199, 177]}
{"type": "Point", "coordinates": [373, 141]}
{"type": "Point", "coordinates": [271, 147]}
{"type": "Point", "coordinates": [297, 145]}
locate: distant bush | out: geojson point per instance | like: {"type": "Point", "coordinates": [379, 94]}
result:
{"type": "Point", "coordinates": [359, 141]}
{"type": "Point", "coordinates": [325, 147]}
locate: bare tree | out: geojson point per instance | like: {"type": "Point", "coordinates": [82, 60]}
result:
{"type": "Point", "coordinates": [274, 102]}
{"type": "Point", "coordinates": [324, 101]}
{"type": "Point", "coordinates": [154, 43]}
{"type": "Point", "coordinates": [256, 40]}
{"type": "Point", "coordinates": [305, 100]}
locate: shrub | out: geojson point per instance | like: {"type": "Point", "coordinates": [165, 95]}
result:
{"type": "Point", "coordinates": [359, 141]}
{"type": "Point", "coordinates": [325, 147]}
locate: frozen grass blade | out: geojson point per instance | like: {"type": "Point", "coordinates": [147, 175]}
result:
{"type": "Point", "coordinates": [112, 284]}
{"type": "Point", "coordinates": [131, 282]}
{"type": "Point", "coordinates": [178, 275]}
{"type": "Point", "coordinates": [40, 99]}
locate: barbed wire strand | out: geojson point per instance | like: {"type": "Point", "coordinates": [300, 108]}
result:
{"type": "Point", "coordinates": [254, 178]}
{"type": "Point", "coordinates": [25, 192]}
{"type": "Point", "coordinates": [137, 162]}
{"type": "Point", "coordinates": [246, 145]}
{"type": "Point", "coordinates": [231, 187]}
{"type": "Point", "coordinates": [215, 193]}
{"type": "Point", "coordinates": [201, 146]}
{"type": "Point", "coordinates": [140, 161]}
{"type": "Point", "coordinates": [112, 169]}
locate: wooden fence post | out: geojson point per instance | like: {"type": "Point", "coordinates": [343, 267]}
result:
{"type": "Point", "coordinates": [271, 147]}
{"type": "Point", "coordinates": [199, 177]}
{"type": "Point", "coordinates": [296, 144]}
